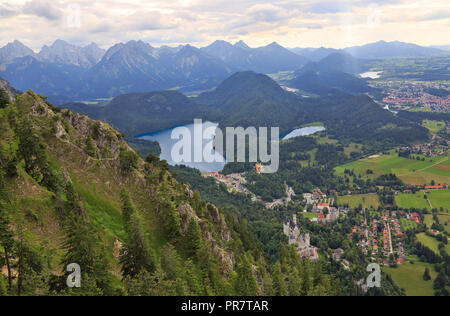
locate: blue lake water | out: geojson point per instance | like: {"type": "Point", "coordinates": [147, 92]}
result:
{"type": "Point", "coordinates": [371, 75]}
{"type": "Point", "coordinates": [164, 138]}
{"type": "Point", "coordinates": [305, 131]}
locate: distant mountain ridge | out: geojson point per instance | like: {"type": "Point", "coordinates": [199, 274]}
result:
{"type": "Point", "coordinates": [14, 50]}
{"type": "Point", "coordinates": [272, 58]}
{"type": "Point", "coordinates": [66, 72]}
{"type": "Point", "coordinates": [394, 49]}
{"type": "Point", "coordinates": [315, 54]}
{"type": "Point", "coordinates": [332, 74]}
{"type": "Point", "coordinates": [61, 52]}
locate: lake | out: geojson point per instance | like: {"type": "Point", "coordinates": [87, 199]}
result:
{"type": "Point", "coordinates": [164, 138]}
{"type": "Point", "coordinates": [371, 74]}
{"type": "Point", "coordinates": [304, 131]}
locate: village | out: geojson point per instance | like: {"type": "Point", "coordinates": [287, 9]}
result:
{"type": "Point", "coordinates": [236, 183]}
{"type": "Point", "coordinates": [404, 95]}
{"type": "Point", "coordinates": [379, 235]}
{"type": "Point", "coordinates": [437, 147]}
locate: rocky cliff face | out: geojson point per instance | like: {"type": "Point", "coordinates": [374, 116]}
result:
{"type": "Point", "coordinates": [5, 85]}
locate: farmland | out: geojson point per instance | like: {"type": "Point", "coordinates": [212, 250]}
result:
{"type": "Point", "coordinates": [411, 171]}
{"type": "Point", "coordinates": [409, 200]}
{"type": "Point", "coordinates": [354, 201]}
{"type": "Point", "coordinates": [440, 199]}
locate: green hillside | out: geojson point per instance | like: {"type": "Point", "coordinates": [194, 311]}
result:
{"type": "Point", "coordinates": [73, 191]}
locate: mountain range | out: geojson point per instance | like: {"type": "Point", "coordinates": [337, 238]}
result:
{"type": "Point", "coordinates": [272, 58]}
{"type": "Point", "coordinates": [383, 49]}
{"type": "Point", "coordinates": [334, 73]}
{"type": "Point", "coordinates": [65, 72]}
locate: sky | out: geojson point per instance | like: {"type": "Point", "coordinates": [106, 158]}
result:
{"type": "Point", "coordinates": [291, 23]}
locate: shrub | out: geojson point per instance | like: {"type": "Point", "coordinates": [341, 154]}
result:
{"type": "Point", "coordinates": [128, 160]}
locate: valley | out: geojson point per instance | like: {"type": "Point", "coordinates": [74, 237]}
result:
{"type": "Point", "coordinates": [356, 184]}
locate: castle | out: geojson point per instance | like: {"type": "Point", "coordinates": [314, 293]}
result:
{"type": "Point", "coordinates": [301, 241]}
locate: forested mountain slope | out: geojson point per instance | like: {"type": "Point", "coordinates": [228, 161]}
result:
{"type": "Point", "coordinates": [72, 191]}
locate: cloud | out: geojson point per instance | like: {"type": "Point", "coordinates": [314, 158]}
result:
{"type": "Point", "coordinates": [268, 13]}
{"type": "Point", "coordinates": [151, 20]}
{"type": "Point", "coordinates": [6, 10]}
{"type": "Point", "coordinates": [439, 15]}
{"type": "Point", "coordinates": [42, 8]}
{"type": "Point", "coordinates": [257, 22]}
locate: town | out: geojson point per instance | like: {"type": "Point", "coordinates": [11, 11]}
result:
{"type": "Point", "coordinates": [405, 95]}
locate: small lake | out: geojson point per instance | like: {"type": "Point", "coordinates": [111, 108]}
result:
{"type": "Point", "coordinates": [304, 131]}
{"type": "Point", "coordinates": [371, 75]}
{"type": "Point", "coordinates": [164, 138]}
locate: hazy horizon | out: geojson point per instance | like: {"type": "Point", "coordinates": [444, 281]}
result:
{"type": "Point", "coordinates": [37, 50]}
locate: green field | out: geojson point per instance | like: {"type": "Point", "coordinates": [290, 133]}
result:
{"type": "Point", "coordinates": [409, 200]}
{"type": "Point", "coordinates": [410, 278]}
{"type": "Point", "coordinates": [431, 243]}
{"type": "Point", "coordinates": [443, 219]}
{"type": "Point", "coordinates": [309, 215]}
{"type": "Point", "coordinates": [407, 224]}
{"type": "Point", "coordinates": [434, 126]}
{"type": "Point", "coordinates": [440, 199]}
{"type": "Point", "coordinates": [354, 201]}
{"type": "Point", "coordinates": [410, 171]}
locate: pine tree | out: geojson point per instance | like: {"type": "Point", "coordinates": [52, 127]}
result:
{"type": "Point", "coordinates": [279, 283]}
{"type": "Point", "coordinates": [294, 283]}
{"type": "Point", "coordinates": [4, 98]}
{"type": "Point", "coordinates": [193, 237]}
{"type": "Point", "coordinates": [426, 275]}
{"type": "Point", "coordinates": [305, 272]}
{"type": "Point", "coordinates": [193, 278]}
{"type": "Point", "coordinates": [136, 255]}
{"type": "Point", "coordinates": [82, 248]}
{"type": "Point", "coordinates": [29, 265]}
{"type": "Point", "coordinates": [6, 240]}
{"type": "Point", "coordinates": [246, 280]}
{"type": "Point", "coordinates": [91, 149]}
{"type": "Point", "coordinates": [127, 207]}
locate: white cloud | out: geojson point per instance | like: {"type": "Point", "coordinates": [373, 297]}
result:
{"type": "Point", "coordinates": [42, 8]}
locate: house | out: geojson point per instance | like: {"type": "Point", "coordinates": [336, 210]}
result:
{"type": "Point", "coordinates": [337, 254]}
{"type": "Point", "coordinates": [415, 217]}
{"type": "Point", "coordinates": [434, 187]}
{"type": "Point", "coordinates": [322, 206]}
{"type": "Point", "coordinates": [400, 261]}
